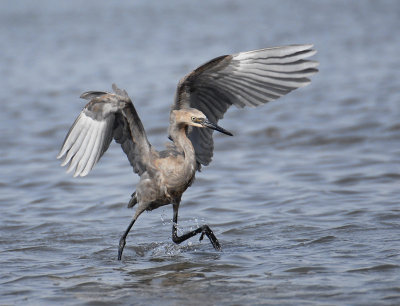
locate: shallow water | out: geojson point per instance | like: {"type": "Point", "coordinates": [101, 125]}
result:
{"type": "Point", "coordinates": [304, 199]}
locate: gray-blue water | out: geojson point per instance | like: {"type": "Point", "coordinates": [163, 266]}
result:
{"type": "Point", "coordinates": [304, 199]}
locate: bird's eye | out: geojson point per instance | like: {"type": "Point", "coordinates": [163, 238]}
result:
{"type": "Point", "coordinates": [193, 118]}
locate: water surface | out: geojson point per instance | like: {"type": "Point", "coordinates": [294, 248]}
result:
{"type": "Point", "coordinates": [304, 199]}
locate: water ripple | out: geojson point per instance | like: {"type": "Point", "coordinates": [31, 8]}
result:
{"type": "Point", "coordinates": [304, 198]}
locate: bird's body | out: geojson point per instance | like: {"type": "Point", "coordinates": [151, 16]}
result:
{"type": "Point", "coordinates": [171, 172]}
{"type": "Point", "coordinates": [203, 96]}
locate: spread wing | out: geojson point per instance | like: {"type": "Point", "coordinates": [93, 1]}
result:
{"type": "Point", "coordinates": [106, 116]}
{"type": "Point", "coordinates": [244, 79]}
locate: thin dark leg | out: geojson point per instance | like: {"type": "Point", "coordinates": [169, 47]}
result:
{"type": "Point", "coordinates": [204, 230]}
{"type": "Point", "coordinates": [122, 241]}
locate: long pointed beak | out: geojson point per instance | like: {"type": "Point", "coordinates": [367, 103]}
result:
{"type": "Point", "coordinates": [213, 126]}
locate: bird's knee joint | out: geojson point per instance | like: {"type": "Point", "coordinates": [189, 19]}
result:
{"type": "Point", "coordinates": [176, 239]}
{"type": "Point", "coordinates": [206, 229]}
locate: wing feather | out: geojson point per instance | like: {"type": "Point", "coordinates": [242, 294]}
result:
{"type": "Point", "coordinates": [249, 78]}
{"type": "Point", "coordinates": [91, 158]}
{"type": "Point", "coordinates": [72, 146]}
{"type": "Point", "coordinates": [88, 150]}
{"type": "Point", "coordinates": [72, 136]}
{"type": "Point", "coordinates": [80, 151]}
{"type": "Point", "coordinates": [106, 116]}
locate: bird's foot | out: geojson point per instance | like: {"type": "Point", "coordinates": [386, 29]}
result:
{"type": "Point", "coordinates": [206, 230]}
{"type": "Point", "coordinates": [122, 243]}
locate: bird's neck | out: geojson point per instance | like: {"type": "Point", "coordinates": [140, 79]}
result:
{"type": "Point", "coordinates": [182, 142]}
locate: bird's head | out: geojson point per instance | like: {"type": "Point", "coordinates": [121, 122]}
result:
{"type": "Point", "coordinates": [194, 117]}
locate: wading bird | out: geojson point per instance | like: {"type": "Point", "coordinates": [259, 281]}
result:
{"type": "Point", "coordinates": [203, 96]}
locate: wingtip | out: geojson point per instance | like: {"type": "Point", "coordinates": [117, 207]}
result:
{"type": "Point", "coordinates": [119, 91]}
{"type": "Point", "coordinates": [305, 83]}
{"type": "Point", "coordinates": [85, 172]}
{"type": "Point", "coordinates": [78, 172]}
{"type": "Point", "coordinates": [65, 162]}
{"type": "Point", "coordinates": [89, 95]}
{"type": "Point", "coordinates": [69, 169]}
{"type": "Point", "coordinates": [304, 47]}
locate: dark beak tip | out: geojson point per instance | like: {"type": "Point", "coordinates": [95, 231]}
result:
{"type": "Point", "coordinates": [225, 132]}
{"type": "Point", "coordinates": [216, 128]}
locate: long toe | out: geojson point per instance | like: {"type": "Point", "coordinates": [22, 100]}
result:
{"type": "Point", "coordinates": [210, 234]}
{"type": "Point", "coordinates": [201, 236]}
{"type": "Point", "coordinates": [215, 243]}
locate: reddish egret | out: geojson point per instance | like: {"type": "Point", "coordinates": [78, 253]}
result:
{"type": "Point", "coordinates": [203, 96]}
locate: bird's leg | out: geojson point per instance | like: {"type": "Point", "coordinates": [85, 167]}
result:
{"type": "Point", "coordinates": [122, 241]}
{"type": "Point", "coordinates": [204, 230]}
